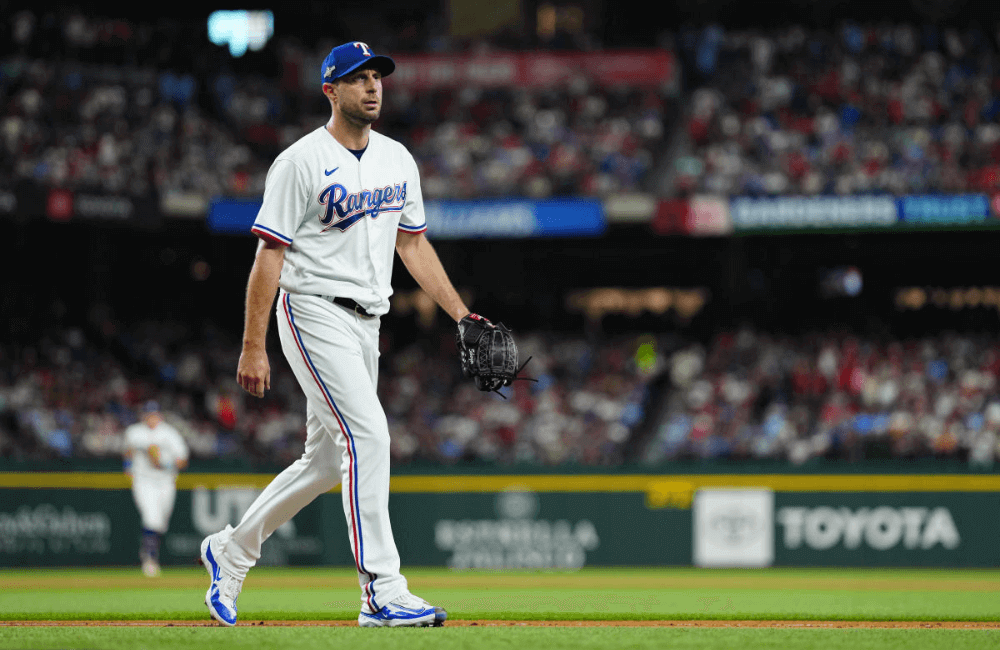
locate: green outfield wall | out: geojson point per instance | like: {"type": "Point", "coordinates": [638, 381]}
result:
{"type": "Point", "coordinates": [563, 521]}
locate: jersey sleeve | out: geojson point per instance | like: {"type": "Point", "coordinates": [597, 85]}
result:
{"type": "Point", "coordinates": [412, 218]}
{"type": "Point", "coordinates": [180, 447]}
{"type": "Point", "coordinates": [286, 199]}
{"type": "Point", "coordinates": [131, 439]}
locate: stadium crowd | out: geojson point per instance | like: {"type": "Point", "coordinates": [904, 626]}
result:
{"type": "Point", "coordinates": [114, 107]}
{"type": "Point", "coordinates": [861, 109]}
{"type": "Point", "coordinates": [754, 395]}
{"type": "Point", "coordinates": [747, 395]}
{"type": "Point", "coordinates": [109, 114]}
{"type": "Point", "coordinates": [72, 395]}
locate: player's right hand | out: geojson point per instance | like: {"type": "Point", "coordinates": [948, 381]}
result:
{"type": "Point", "coordinates": [254, 373]}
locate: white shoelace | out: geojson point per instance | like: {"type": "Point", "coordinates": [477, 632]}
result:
{"type": "Point", "coordinates": [410, 601]}
{"type": "Point", "coordinates": [231, 588]}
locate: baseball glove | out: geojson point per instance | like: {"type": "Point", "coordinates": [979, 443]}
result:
{"type": "Point", "coordinates": [488, 354]}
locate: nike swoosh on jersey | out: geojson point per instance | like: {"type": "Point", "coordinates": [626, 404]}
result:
{"type": "Point", "coordinates": [331, 171]}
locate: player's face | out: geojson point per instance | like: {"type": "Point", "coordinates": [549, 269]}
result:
{"type": "Point", "coordinates": [359, 95]}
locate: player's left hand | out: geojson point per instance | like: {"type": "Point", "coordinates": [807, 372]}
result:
{"type": "Point", "coordinates": [488, 353]}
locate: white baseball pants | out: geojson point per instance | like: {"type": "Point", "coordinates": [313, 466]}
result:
{"type": "Point", "coordinates": [154, 498]}
{"type": "Point", "coordinates": [334, 355]}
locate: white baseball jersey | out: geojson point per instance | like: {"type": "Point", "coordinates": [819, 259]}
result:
{"type": "Point", "coordinates": [339, 215]}
{"type": "Point", "coordinates": [138, 439]}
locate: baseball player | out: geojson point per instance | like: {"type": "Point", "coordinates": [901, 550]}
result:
{"type": "Point", "coordinates": [154, 453]}
{"type": "Point", "coordinates": [337, 204]}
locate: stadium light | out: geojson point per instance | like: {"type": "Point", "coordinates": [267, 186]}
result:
{"type": "Point", "coordinates": [241, 30]}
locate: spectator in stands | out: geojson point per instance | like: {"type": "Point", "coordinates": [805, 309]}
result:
{"type": "Point", "coordinates": [751, 395]}
{"type": "Point", "coordinates": [860, 110]}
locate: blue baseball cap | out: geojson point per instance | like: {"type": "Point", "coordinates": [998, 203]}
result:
{"type": "Point", "coordinates": [345, 59]}
{"type": "Point", "coordinates": [151, 406]}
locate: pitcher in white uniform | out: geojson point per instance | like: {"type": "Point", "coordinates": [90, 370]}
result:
{"type": "Point", "coordinates": [154, 453]}
{"type": "Point", "coordinates": [337, 205]}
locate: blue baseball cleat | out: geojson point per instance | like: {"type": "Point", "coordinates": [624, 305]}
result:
{"type": "Point", "coordinates": [405, 611]}
{"type": "Point", "coordinates": [224, 589]}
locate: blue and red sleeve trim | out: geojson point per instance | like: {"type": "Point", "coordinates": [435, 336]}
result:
{"type": "Point", "coordinates": [270, 235]}
{"type": "Point", "coordinates": [414, 229]}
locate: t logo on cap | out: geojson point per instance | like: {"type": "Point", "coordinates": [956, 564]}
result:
{"type": "Point", "coordinates": [345, 59]}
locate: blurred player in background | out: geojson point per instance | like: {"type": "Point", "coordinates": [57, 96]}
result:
{"type": "Point", "coordinates": [154, 453]}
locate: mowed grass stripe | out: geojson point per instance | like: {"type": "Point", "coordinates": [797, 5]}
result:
{"type": "Point", "coordinates": [591, 578]}
{"type": "Point", "coordinates": [592, 595]}
{"type": "Point", "coordinates": [254, 617]}
{"type": "Point", "coordinates": [491, 638]}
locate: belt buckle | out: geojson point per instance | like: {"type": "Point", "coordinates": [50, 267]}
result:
{"type": "Point", "coordinates": [360, 311]}
{"type": "Point", "coordinates": [350, 304]}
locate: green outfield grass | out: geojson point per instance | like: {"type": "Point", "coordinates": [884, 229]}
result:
{"type": "Point", "coordinates": [293, 594]}
{"type": "Point", "coordinates": [591, 594]}
{"type": "Point", "coordinates": [493, 639]}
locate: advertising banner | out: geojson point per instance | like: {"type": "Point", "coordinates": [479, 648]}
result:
{"type": "Point", "coordinates": [938, 210]}
{"type": "Point", "coordinates": [515, 528]}
{"type": "Point", "coordinates": [795, 213]}
{"type": "Point", "coordinates": [514, 219]}
{"type": "Point", "coordinates": [60, 527]}
{"type": "Point", "coordinates": [757, 528]}
{"type": "Point", "coordinates": [861, 212]}
{"type": "Point", "coordinates": [887, 529]}
{"type": "Point", "coordinates": [460, 219]}
{"type": "Point", "coordinates": [560, 522]}
{"type": "Point", "coordinates": [520, 528]}
{"type": "Point", "coordinates": [733, 528]}
{"type": "Point", "coordinates": [643, 68]}
{"type": "Point", "coordinates": [66, 205]}
{"type": "Point", "coordinates": [59, 205]}
{"type": "Point", "coordinates": [191, 205]}
{"type": "Point", "coordinates": [628, 208]}
{"type": "Point", "coordinates": [234, 216]}
{"type": "Point", "coordinates": [699, 216]}
{"type": "Point", "coordinates": [100, 206]}
{"type": "Point", "coordinates": [53, 527]}
{"type": "Point", "coordinates": [709, 216]}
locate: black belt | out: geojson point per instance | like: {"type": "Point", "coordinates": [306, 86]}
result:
{"type": "Point", "coordinates": [347, 303]}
